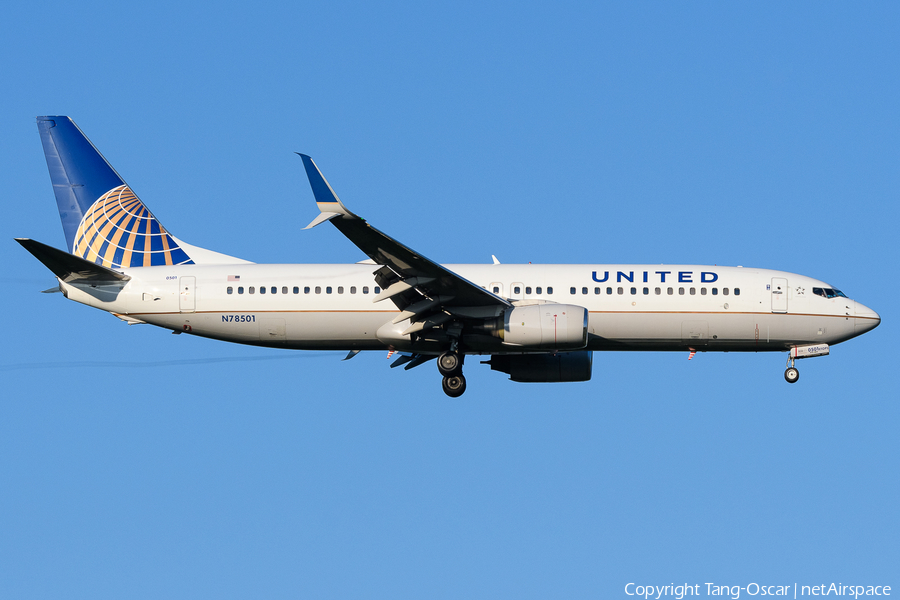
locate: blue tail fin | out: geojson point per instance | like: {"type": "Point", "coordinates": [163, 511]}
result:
{"type": "Point", "coordinates": [104, 221]}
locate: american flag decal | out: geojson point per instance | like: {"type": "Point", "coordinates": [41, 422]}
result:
{"type": "Point", "coordinates": [234, 278]}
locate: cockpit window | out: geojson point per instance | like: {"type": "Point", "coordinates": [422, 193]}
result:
{"type": "Point", "coordinates": [828, 293]}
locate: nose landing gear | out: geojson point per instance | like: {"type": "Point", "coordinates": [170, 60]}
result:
{"type": "Point", "coordinates": [791, 374]}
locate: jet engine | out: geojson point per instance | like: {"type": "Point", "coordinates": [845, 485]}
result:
{"type": "Point", "coordinates": [544, 368]}
{"type": "Point", "coordinates": [551, 326]}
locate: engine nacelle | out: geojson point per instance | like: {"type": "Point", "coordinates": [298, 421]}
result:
{"type": "Point", "coordinates": [551, 326]}
{"type": "Point", "coordinates": [545, 368]}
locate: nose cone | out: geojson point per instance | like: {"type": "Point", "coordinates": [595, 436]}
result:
{"type": "Point", "coordinates": [866, 319]}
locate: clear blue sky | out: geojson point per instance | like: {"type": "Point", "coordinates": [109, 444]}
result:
{"type": "Point", "coordinates": [138, 464]}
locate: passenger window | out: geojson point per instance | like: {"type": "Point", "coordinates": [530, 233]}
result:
{"type": "Point", "coordinates": [633, 291]}
{"type": "Point", "coordinates": [715, 291]}
{"type": "Point", "coordinates": [571, 290]}
{"type": "Point", "coordinates": [318, 289]}
{"type": "Point", "coordinates": [537, 290]}
{"type": "Point", "coordinates": [377, 290]}
{"type": "Point", "coordinates": [584, 290]}
{"type": "Point", "coordinates": [549, 290]}
{"type": "Point", "coordinates": [527, 291]}
{"type": "Point", "coordinates": [365, 289]}
{"type": "Point", "coordinates": [693, 291]}
{"type": "Point", "coordinates": [240, 290]}
{"type": "Point", "coordinates": [658, 291]}
{"type": "Point", "coordinates": [517, 290]}
{"type": "Point", "coordinates": [274, 290]}
{"type": "Point", "coordinates": [296, 290]}
{"type": "Point", "coordinates": [681, 291]}
{"type": "Point", "coordinates": [306, 289]}
{"type": "Point", "coordinates": [496, 289]}
{"type": "Point", "coordinates": [251, 290]}
{"type": "Point", "coordinates": [262, 289]}
{"type": "Point", "coordinates": [670, 291]}
{"type": "Point", "coordinates": [230, 290]}
{"type": "Point", "coordinates": [621, 291]}
{"type": "Point", "coordinates": [328, 289]}
{"type": "Point", "coordinates": [284, 290]}
{"type": "Point", "coordinates": [646, 291]}
{"type": "Point", "coordinates": [724, 291]}
{"type": "Point", "coordinates": [702, 291]}
{"type": "Point", "coordinates": [737, 291]}
{"type": "Point", "coordinates": [352, 289]}
{"type": "Point", "coordinates": [609, 291]}
{"type": "Point", "coordinates": [597, 290]}
{"type": "Point", "coordinates": [340, 289]}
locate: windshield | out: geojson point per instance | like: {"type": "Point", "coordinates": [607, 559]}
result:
{"type": "Point", "coordinates": [828, 292]}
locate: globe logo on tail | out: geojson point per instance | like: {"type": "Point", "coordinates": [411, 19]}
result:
{"type": "Point", "coordinates": [119, 231]}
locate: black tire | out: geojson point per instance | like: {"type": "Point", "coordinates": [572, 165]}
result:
{"type": "Point", "coordinates": [454, 385]}
{"type": "Point", "coordinates": [791, 375]}
{"type": "Point", "coordinates": [449, 364]}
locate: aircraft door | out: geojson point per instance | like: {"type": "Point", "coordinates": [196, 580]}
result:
{"type": "Point", "coordinates": [779, 295]}
{"type": "Point", "coordinates": [496, 288]}
{"type": "Point", "coordinates": [187, 292]}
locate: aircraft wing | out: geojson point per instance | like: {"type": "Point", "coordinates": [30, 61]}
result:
{"type": "Point", "coordinates": [407, 277]}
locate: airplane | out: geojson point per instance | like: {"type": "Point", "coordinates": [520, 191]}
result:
{"type": "Point", "coordinates": [536, 323]}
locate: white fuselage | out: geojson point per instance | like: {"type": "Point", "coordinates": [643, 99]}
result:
{"type": "Point", "coordinates": [631, 307]}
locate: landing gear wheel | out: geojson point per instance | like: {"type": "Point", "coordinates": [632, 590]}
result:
{"type": "Point", "coordinates": [449, 364]}
{"type": "Point", "coordinates": [791, 375]}
{"type": "Point", "coordinates": [454, 385]}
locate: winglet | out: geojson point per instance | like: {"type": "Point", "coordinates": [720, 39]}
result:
{"type": "Point", "coordinates": [324, 216]}
{"type": "Point", "coordinates": [328, 202]}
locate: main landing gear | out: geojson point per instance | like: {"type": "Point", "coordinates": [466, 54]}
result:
{"type": "Point", "coordinates": [791, 374]}
{"type": "Point", "coordinates": [450, 365]}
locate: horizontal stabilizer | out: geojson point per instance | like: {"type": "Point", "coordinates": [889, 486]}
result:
{"type": "Point", "coordinates": [69, 267]}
